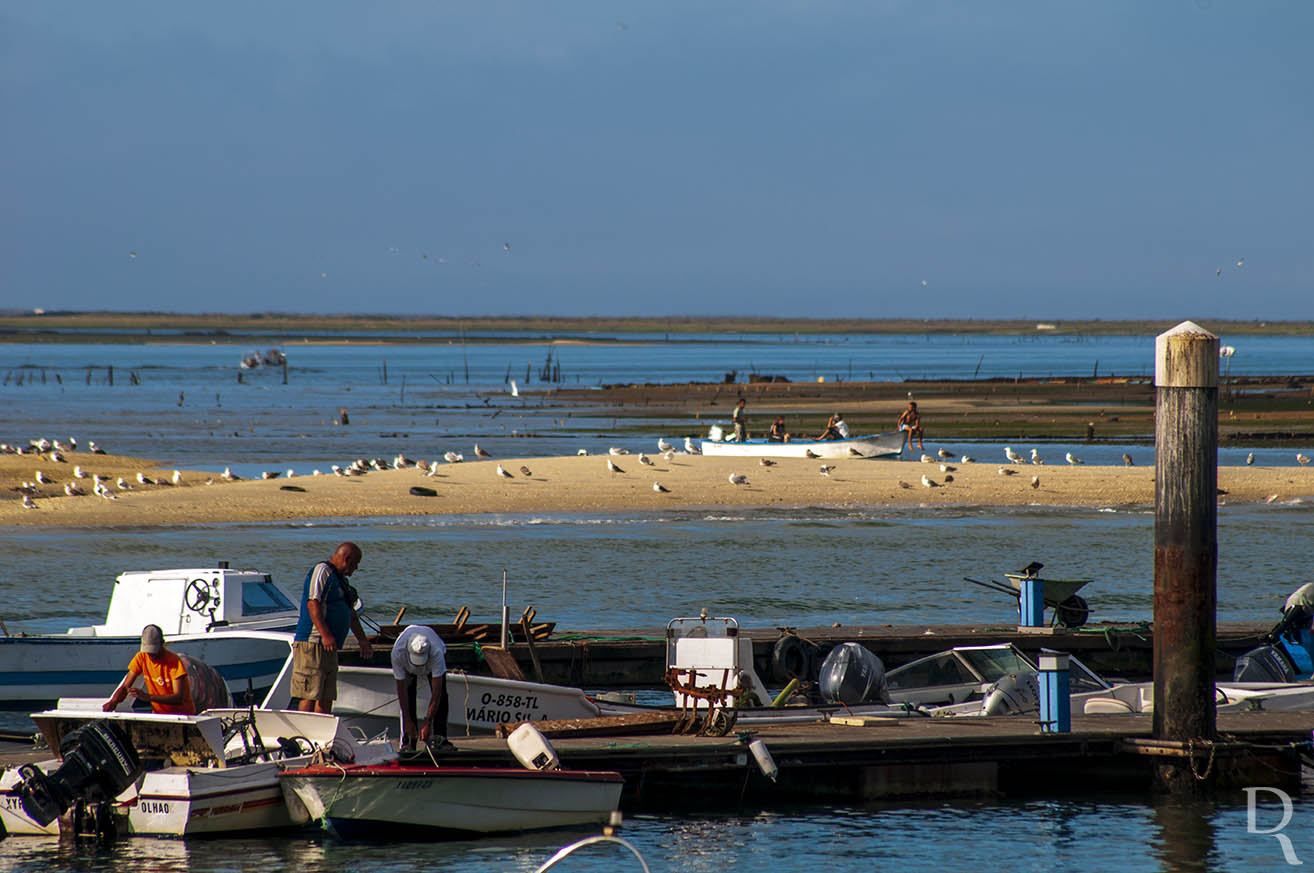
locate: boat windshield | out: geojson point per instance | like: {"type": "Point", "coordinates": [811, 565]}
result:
{"type": "Point", "coordinates": [995, 664]}
{"type": "Point", "coordinates": [261, 598]}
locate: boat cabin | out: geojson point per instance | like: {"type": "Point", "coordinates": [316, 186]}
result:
{"type": "Point", "coordinates": [194, 601]}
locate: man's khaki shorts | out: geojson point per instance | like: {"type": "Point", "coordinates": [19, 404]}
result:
{"type": "Point", "coordinates": [314, 672]}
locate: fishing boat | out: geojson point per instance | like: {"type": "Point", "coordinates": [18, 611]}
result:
{"type": "Point", "coordinates": [237, 621]}
{"type": "Point", "coordinates": [453, 802]}
{"type": "Point", "coordinates": [213, 773]}
{"type": "Point", "coordinates": [881, 445]}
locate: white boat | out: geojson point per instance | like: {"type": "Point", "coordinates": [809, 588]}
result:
{"type": "Point", "coordinates": [880, 445]}
{"type": "Point", "coordinates": [236, 621]}
{"type": "Point", "coordinates": [450, 802]}
{"type": "Point", "coordinates": [216, 773]}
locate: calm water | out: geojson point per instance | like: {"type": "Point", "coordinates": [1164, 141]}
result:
{"type": "Point", "coordinates": [806, 566]}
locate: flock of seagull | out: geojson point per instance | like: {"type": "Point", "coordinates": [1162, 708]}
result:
{"type": "Point", "coordinates": [56, 452]}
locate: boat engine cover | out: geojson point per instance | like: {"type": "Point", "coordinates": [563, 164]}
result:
{"type": "Point", "coordinates": [99, 761]}
{"type": "Point", "coordinates": [852, 674]}
{"type": "Point", "coordinates": [1264, 664]}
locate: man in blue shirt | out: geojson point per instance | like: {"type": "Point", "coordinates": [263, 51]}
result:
{"type": "Point", "coordinates": [327, 613]}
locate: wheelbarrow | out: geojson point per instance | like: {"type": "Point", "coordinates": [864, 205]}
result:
{"type": "Point", "coordinates": [1070, 608]}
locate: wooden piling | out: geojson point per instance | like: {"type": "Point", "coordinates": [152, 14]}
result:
{"type": "Point", "coordinates": [1185, 543]}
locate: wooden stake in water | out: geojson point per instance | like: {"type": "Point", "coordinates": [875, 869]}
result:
{"type": "Point", "coordinates": [506, 615]}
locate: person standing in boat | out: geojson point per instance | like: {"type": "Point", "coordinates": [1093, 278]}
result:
{"type": "Point", "coordinates": [420, 653]}
{"type": "Point", "coordinates": [778, 434]}
{"type": "Point", "coordinates": [327, 613]}
{"type": "Point", "coordinates": [166, 686]}
{"type": "Point", "coordinates": [740, 420]}
{"type": "Point", "coordinates": [910, 425]}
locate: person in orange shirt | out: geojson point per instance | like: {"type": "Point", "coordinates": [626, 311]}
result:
{"type": "Point", "coordinates": [165, 674]}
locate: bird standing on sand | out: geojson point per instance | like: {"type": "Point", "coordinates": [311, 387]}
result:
{"type": "Point", "coordinates": [664, 446]}
{"type": "Point", "coordinates": [524, 471]}
{"type": "Point", "coordinates": [945, 454]}
{"type": "Point", "coordinates": [826, 468]}
{"type": "Point", "coordinates": [43, 478]}
{"type": "Point", "coordinates": [1035, 457]}
{"type": "Point", "coordinates": [480, 453]}
{"type": "Point", "coordinates": [28, 502]}
{"type": "Point", "coordinates": [738, 479]}
{"type": "Point", "coordinates": [690, 447]}
{"type": "Point", "coordinates": [1073, 459]}
{"type": "Point", "coordinates": [1035, 481]}
{"type": "Point", "coordinates": [269, 474]}
{"type": "Point", "coordinates": [143, 479]}
{"type": "Point", "coordinates": [903, 484]}
{"type": "Point", "coordinates": [660, 488]}
{"type": "Point", "coordinates": [1007, 471]}
{"type": "Point", "coordinates": [1013, 457]}
{"type": "Point", "coordinates": [611, 465]}
{"type": "Point", "coordinates": [948, 468]}
{"type": "Point", "coordinates": [616, 450]}
{"type": "Point", "coordinates": [965, 459]}
{"type": "Point", "coordinates": [453, 457]}
{"type": "Point", "coordinates": [669, 456]}
{"type": "Point", "coordinates": [95, 449]}
{"type": "Point", "coordinates": [644, 459]}
{"type": "Point", "coordinates": [766, 462]}
{"type": "Point", "coordinates": [929, 483]}
{"type": "Point", "coordinates": [73, 490]}
{"type": "Point", "coordinates": [177, 476]}
{"type": "Point", "coordinates": [1127, 460]}
{"type": "Point", "coordinates": [433, 469]}
{"type": "Point", "coordinates": [78, 472]}
{"type": "Point", "coordinates": [230, 476]}
{"type": "Point", "coordinates": [1301, 459]}
{"type": "Point", "coordinates": [1250, 458]}
{"type": "Point", "coordinates": [811, 454]}
{"type": "Point", "coordinates": [926, 459]}
{"type": "Point", "coordinates": [501, 471]}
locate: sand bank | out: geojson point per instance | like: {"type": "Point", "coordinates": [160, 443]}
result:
{"type": "Point", "coordinates": [584, 485]}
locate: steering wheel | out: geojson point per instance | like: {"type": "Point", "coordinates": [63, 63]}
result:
{"type": "Point", "coordinates": [197, 596]}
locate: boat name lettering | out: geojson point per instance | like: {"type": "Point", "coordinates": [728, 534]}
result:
{"type": "Point", "coordinates": [155, 807]}
{"type": "Point", "coordinates": [514, 701]}
{"type": "Point", "coordinates": [500, 716]}
{"type": "Point", "coordinates": [414, 784]}
{"type": "Point", "coordinates": [13, 803]}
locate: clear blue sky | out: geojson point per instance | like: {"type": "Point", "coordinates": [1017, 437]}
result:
{"type": "Point", "coordinates": [1023, 159]}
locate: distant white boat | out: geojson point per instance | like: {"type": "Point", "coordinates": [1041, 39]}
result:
{"type": "Point", "coordinates": [881, 445]}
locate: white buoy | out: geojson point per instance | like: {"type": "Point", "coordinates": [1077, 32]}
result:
{"type": "Point", "coordinates": [765, 763]}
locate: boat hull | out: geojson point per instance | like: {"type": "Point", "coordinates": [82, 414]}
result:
{"type": "Point", "coordinates": [883, 445]}
{"type": "Point", "coordinates": [36, 671]}
{"type": "Point", "coordinates": [451, 802]}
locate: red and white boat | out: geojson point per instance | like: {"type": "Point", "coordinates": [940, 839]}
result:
{"type": "Point", "coordinates": [449, 802]}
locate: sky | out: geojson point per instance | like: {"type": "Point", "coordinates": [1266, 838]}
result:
{"type": "Point", "coordinates": [792, 158]}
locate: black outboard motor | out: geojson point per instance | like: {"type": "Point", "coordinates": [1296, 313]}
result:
{"type": "Point", "coordinates": [98, 763]}
{"type": "Point", "coordinates": [1270, 662]}
{"type": "Point", "coordinates": [852, 674]}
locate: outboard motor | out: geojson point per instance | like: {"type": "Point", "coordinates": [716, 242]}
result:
{"type": "Point", "coordinates": [1012, 694]}
{"type": "Point", "coordinates": [1264, 664]}
{"type": "Point", "coordinates": [852, 674]}
{"type": "Point", "coordinates": [1272, 662]}
{"type": "Point", "coordinates": [98, 763]}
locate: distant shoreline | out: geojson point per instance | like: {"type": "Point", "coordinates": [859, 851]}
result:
{"type": "Point", "coordinates": [284, 328]}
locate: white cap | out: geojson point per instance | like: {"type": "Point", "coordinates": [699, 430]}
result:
{"type": "Point", "coordinates": [417, 649]}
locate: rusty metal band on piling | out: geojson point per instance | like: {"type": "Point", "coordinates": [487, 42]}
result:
{"type": "Point", "coordinates": [1185, 532]}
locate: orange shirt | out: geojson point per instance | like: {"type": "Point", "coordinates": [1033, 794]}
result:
{"type": "Point", "coordinates": [162, 677]}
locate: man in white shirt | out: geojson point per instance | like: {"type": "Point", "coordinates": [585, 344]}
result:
{"type": "Point", "coordinates": [419, 652]}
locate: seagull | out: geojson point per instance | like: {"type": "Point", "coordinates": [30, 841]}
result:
{"type": "Point", "coordinates": [1012, 456]}
{"type": "Point", "coordinates": [1240, 261]}
{"type": "Point", "coordinates": [947, 468]}
{"type": "Point", "coordinates": [290, 474]}
{"type": "Point", "coordinates": [58, 457]}
{"type": "Point", "coordinates": [1007, 471]}
{"type": "Point", "coordinates": [614, 450]}
{"type": "Point", "coordinates": [230, 476]}
{"type": "Point", "coordinates": [1301, 459]}
{"type": "Point", "coordinates": [79, 473]}
{"type": "Point", "coordinates": [515, 392]}
{"type": "Point", "coordinates": [337, 471]}
{"type": "Point", "coordinates": [73, 490]}
{"type": "Point", "coordinates": [669, 456]}
{"type": "Point", "coordinates": [967, 460]}
{"type": "Point", "coordinates": [1250, 458]}
{"type": "Point", "coordinates": [143, 479]}
{"type": "Point", "coordinates": [453, 457]}
{"type": "Point", "coordinates": [28, 502]}
{"type": "Point", "coordinates": [690, 447]}
{"type": "Point", "coordinates": [433, 469]}
{"type": "Point", "coordinates": [929, 483]}
{"type": "Point", "coordinates": [766, 462]}
{"type": "Point", "coordinates": [660, 488]}
{"type": "Point", "coordinates": [1073, 459]}
{"type": "Point", "coordinates": [269, 474]}
{"type": "Point", "coordinates": [43, 478]}
{"type": "Point", "coordinates": [811, 454]}
{"type": "Point", "coordinates": [501, 471]}
{"type": "Point", "coordinates": [1127, 460]}
{"type": "Point", "coordinates": [1035, 457]}
{"type": "Point", "coordinates": [1035, 481]}
{"type": "Point", "coordinates": [1270, 498]}
{"type": "Point", "coordinates": [945, 454]}
{"type": "Point", "coordinates": [826, 468]}
{"type": "Point", "coordinates": [948, 478]}
{"type": "Point", "coordinates": [95, 449]}
{"type": "Point", "coordinates": [524, 471]}
{"type": "Point", "coordinates": [903, 484]}
{"type": "Point", "coordinates": [854, 453]}
{"type": "Point", "coordinates": [663, 446]}
{"type": "Point", "coordinates": [105, 492]}
{"type": "Point", "coordinates": [926, 459]}
{"type": "Point", "coordinates": [480, 453]}
{"type": "Point", "coordinates": [122, 484]}
{"type": "Point", "coordinates": [644, 459]}
{"type": "Point", "coordinates": [582, 452]}
{"type": "Point", "coordinates": [611, 465]}
{"type": "Point", "coordinates": [738, 479]}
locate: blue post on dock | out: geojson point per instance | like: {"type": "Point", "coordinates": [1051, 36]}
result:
{"type": "Point", "coordinates": [1055, 704]}
{"type": "Point", "coordinates": [1031, 603]}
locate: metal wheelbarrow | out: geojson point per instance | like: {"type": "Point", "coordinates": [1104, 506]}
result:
{"type": "Point", "coordinates": [1070, 609]}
